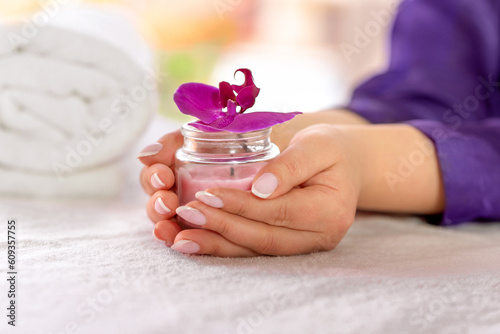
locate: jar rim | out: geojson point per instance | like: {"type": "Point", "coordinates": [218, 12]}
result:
{"type": "Point", "coordinates": [191, 132]}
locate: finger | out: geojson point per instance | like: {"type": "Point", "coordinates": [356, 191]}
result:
{"type": "Point", "coordinates": [198, 241]}
{"type": "Point", "coordinates": [162, 205]}
{"type": "Point", "coordinates": [259, 237]}
{"type": "Point", "coordinates": [309, 153]}
{"type": "Point", "coordinates": [166, 231]}
{"type": "Point", "coordinates": [163, 151]}
{"type": "Point", "coordinates": [314, 205]}
{"type": "Point", "coordinates": [156, 177]}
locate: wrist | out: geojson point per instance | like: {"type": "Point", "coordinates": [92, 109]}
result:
{"type": "Point", "coordinates": [360, 159]}
{"type": "Point", "coordinates": [283, 133]}
{"type": "Point", "coordinates": [392, 179]}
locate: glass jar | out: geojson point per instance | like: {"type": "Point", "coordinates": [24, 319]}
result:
{"type": "Point", "coordinates": [219, 160]}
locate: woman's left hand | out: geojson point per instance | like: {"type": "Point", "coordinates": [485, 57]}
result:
{"type": "Point", "coordinates": [302, 201]}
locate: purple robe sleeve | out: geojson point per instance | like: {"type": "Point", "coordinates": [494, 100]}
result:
{"type": "Point", "coordinates": [443, 79]}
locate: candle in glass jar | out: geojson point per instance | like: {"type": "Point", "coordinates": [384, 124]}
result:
{"type": "Point", "coordinates": [219, 160]}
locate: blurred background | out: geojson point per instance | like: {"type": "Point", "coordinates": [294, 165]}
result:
{"type": "Point", "coordinates": [305, 54]}
{"type": "Point", "coordinates": [75, 102]}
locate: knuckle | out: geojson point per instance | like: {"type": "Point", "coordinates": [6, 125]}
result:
{"type": "Point", "coordinates": [223, 227]}
{"type": "Point", "coordinates": [292, 166]}
{"type": "Point", "coordinates": [327, 241]}
{"type": "Point", "coordinates": [240, 208]}
{"type": "Point", "coordinates": [281, 215]}
{"type": "Point", "coordinates": [214, 249]}
{"type": "Point", "coordinates": [335, 230]}
{"type": "Point", "coordinates": [267, 244]}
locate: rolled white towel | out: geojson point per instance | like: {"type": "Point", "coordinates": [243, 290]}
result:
{"type": "Point", "coordinates": [75, 93]}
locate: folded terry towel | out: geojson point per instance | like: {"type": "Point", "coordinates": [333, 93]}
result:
{"type": "Point", "coordinates": [74, 95]}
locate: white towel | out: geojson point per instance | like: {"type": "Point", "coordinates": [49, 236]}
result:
{"type": "Point", "coordinates": [92, 267]}
{"type": "Point", "coordinates": [75, 93]}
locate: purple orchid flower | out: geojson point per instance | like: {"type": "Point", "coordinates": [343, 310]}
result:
{"type": "Point", "coordinates": [207, 103]}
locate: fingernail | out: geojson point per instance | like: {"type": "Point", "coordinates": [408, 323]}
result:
{"type": "Point", "coordinates": [158, 239]}
{"type": "Point", "coordinates": [191, 215]}
{"type": "Point", "coordinates": [186, 246]}
{"type": "Point", "coordinates": [265, 185]}
{"type": "Point", "coordinates": [209, 199]}
{"type": "Point", "coordinates": [163, 242]}
{"type": "Point", "coordinates": [160, 207]}
{"type": "Point", "coordinates": [150, 150]}
{"type": "Point", "coordinates": [156, 182]}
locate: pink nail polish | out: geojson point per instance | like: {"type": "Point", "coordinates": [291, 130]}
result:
{"type": "Point", "coordinates": [156, 181]}
{"type": "Point", "coordinates": [265, 185]}
{"type": "Point", "coordinates": [209, 199]}
{"type": "Point", "coordinates": [186, 246]}
{"type": "Point", "coordinates": [191, 215]}
{"type": "Point", "coordinates": [150, 150]}
{"type": "Point", "coordinates": [160, 207]}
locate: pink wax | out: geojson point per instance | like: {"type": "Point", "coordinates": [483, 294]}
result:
{"type": "Point", "coordinates": [196, 177]}
{"type": "Point", "coordinates": [192, 178]}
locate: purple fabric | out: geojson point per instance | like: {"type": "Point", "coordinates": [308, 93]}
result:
{"type": "Point", "coordinates": [443, 79]}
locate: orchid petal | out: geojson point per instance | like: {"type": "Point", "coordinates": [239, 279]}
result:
{"type": "Point", "coordinates": [258, 120]}
{"type": "Point", "coordinates": [207, 103]}
{"type": "Point", "coordinates": [218, 124]}
{"type": "Point", "coordinates": [223, 122]}
{"type": "Point", "coordinates": [204, 127]}
{"type": "Point", "coordinates": [248, 80]}
{"type": "Point", "coordinates": [246, 97]}
{"type": "Point", "coordinates": [231, 108]}
{"type": "Point", "coordinates": [199, 100]}
{"type": "Point", "coordinates": [226, 93]}
{"type": "Point", "coordinates": [247, 122]}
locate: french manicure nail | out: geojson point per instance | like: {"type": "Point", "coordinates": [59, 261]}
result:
{"type": "Point", "coordinates": [156, 238]}
{"type": "Point", "coordinates": [156, 182]}
{"type": "Point", "coordinates": [209, 199]}
{"type": "Point", "coordinates": [160, 207]}
{"type": "Point", "coordinates": [191, 215]}
{"type": "Point", "coordinates": [265, 185]}
{"type": "Point", "coordinates": [150, 150]}
{"type": "Point", "coordinates": [186, 246]}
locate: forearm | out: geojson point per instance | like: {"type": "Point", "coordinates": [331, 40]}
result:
{"type": "Point", "coordinates": [400, 169]}
{"type": "Point", "coordinates": [283, 133]}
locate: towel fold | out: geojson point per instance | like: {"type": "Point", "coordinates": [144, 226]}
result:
{"type": "Point", "coordinates": [75, 94]}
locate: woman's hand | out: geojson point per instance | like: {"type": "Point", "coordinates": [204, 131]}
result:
{"type": "Point", "coordinates": [157, 180]}
{"type": "Point", "coordinates": [283, 133]}
{"type": "Point", "coordinates": [157, 177]}
{"type": "Point", "coordinates": [303, 201]}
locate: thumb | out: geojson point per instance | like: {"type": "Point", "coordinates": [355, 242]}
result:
{"type": "Point", "coordinates": [305, 157]}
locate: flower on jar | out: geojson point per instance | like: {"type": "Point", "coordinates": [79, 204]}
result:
{"type": "Point", "coordinates": [223, 108]}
